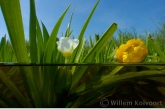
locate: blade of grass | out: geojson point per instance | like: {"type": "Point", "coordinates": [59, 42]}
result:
{"type": "Point", "coordinates": [94, 95]}
{"type": "Point", "coordinates": [4, 49]}
{"type": "Point", "coordinates": [110, 79]}
{"type": "Point", "coordinates": [8, 101]}
{"type": "Point", "coordinates": [82, 42]}
{"type": "Point", "coordinates": [94, 51]}
{"type": "Point", "coordinates": [32, 33]}
{"type": "Point", "coordinates": [48, 74]}
{"type": "Point", "coordinates": [51, 44]}
{"type": "Point", "coordinates": [40, 42]}
{"type": "Point", "coordinates": [3, 40]}
{"type": "Point", "coordinates": [83, 31]}
{"type": "Point", "coordinates": [12, 15]}
{"type": "Point", "coordinates": [118, 68]}
{"type": "Point", "coordinates": [156, 48]}
{"type": "Point", "coordinates": [30, 85]}
{"type": "Point", "coordinates": [68, 32]}
{"type": "Point", "coordinates": [46, 34]}
{"type": "Point", "coordinates": [14, 89]}
{"type": "Point", "coordinates": [97, 37]}
{"type": "Point", "coordinates": [91, 42]}
{"type": "Point", "coordinates": [33, 45]}
{"type": "Point", "coordinates": [47, 92]}
{"type": "Point", "coordinates": [13, 18]}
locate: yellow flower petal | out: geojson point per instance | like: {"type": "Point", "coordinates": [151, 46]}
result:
{"type": "Point", "coordinates": [119, 52]}
{"type": "Point", "coordinates": [133, 51]}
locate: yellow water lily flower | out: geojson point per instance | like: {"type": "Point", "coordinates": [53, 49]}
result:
{"type": "Point", "coordinates": [67, 45]}
{"type": "Point", "coordinates": [133, 51]}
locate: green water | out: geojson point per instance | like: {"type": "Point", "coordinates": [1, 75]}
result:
{"type": "Point", "coordinates": [130, 85]}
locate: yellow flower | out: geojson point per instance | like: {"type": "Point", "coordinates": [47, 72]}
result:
{"type": "Point", "coordinates": [67, 45]}
{"type": "Point", "coordinates": [133, 51]}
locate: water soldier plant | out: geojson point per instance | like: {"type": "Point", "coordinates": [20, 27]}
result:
{"type": "Point", "coordinates": [67, 72]}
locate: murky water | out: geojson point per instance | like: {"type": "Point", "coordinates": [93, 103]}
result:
{"type": "Point", "coordinates": [134, 84]}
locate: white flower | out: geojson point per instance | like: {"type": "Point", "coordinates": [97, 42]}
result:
{"type": "Point", "coordinates": [67, 45]}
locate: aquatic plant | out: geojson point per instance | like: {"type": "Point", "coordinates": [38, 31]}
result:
{"type": "Point", "coordinates": [55, 83]}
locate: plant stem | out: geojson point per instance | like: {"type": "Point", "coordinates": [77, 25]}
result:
{"type": "Point", "coordinates": [66, 60]}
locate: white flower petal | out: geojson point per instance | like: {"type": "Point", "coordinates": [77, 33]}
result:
{"type": "Point", "coordinates": [67, 45]}
{"type": "Point", "coordinates": [75, 43]}
{"type": "Point", "coordinates": [58, 42]}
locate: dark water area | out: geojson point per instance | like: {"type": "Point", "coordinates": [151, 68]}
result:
{"type": "Point", "coordinates": [127, 89]}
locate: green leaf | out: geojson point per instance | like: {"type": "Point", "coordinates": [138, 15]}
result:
{"type": "Point", "coordinates": [83, 31]}
{"type": "Point", "coordinates": [3, 41]}
{"type": "Point", "coordinates": [13, 18]}
{"type": "Point", "coordinates": [62, 80]}
{"type": "Point", "coordinates": [81, 47]}
{"type": "Point", "coordinates": [30, 85]}
{"type": "Point", "coordinates": [40, 43]}
{"type": "Point", "coordinates": [118, 68]}
{"type": "Point", "coordinates": [68, 32]}
{"type": "Point", "coordinates": [47, 92]}
{"type": "Point", "coordinates": [46, 34]}
{"type": "Point", "coordinates": [32, 33]}
{"type": "Point", "coordinates": [7, 101]}
{"type": "Point", "coordinates": [33, 45]}
{"type": "Point", "coordinates": [110, 79]}
{"type": "Point", "coordinates": [14, 89]}
{"type": "Point", "coordinates": [157, 49]}
{"type": "Point", "coordinates": [96, 37]}
{"type": "Point", "coordinates": [51, 44]}
{"type": "Point", "coordinates": [92, 96]}
{"type": "Point", "coordinates": [3, 49]}
{"type": "Point", "coordinates": [91, 42]}
{"type": "Point", "coordinates": [101, 42]}
{"type": "Point", "coordinates": [94, 51]}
